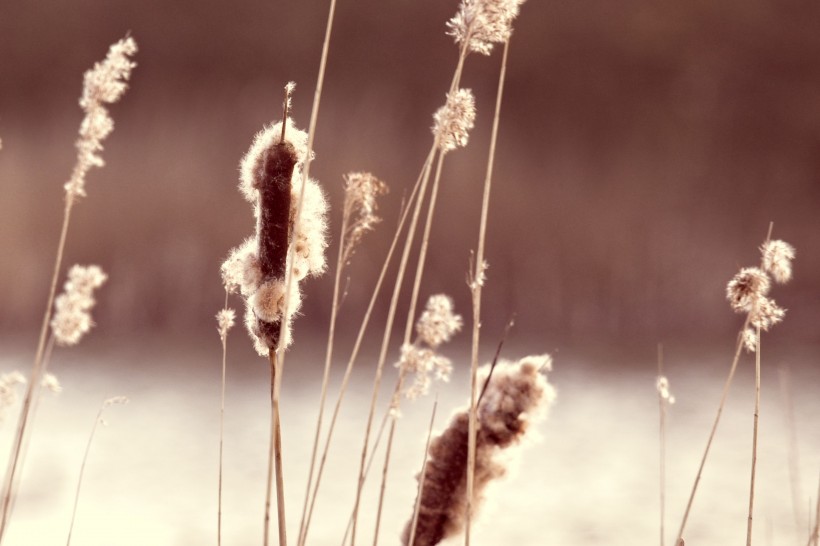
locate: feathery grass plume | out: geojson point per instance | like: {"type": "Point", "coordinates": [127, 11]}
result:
{"type": "Point", "coordinates": [517, 396]}
{"type": "Point", "coordinates": [104, 84]}
{"type": "Point", "coordinates": [777, 260]}
{"type": "Point", "coordinates": [359, 214]}
{"type": "Point", "coordinates": [271, 180]}
{"type": "Point", "coordinates": [225, 320]}
{"type": "Point", "coordinates": [482, 23]}
{"type": "Point", "coordinates": [665, 399]}
{"type": "Point", "coordinates": [51, 383]}
{"type": "Point", "coordinates": [8, 391]}
{"type": "Point", "coordinates": [436, 325]}
{"type": "Point", "coordinates": [72, 308]}
{"type": "Point", "coordinates": [662, 385]}
{"type": "Point", "coordinates": [454, 120]}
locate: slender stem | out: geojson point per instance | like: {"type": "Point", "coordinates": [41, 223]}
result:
{"type": "Point", "coordinates": [754, 440]}
{"type": "Point", "coordinates": [358, 343]}
{"type": "Point", "coordinates": [36, 374]}
{"type": "Point", "coordinates": [723, 397]}
{"type": "Point", "coordinates": [420, 492]}
{"type": "Point", "coordinates": [82, 472]}
{"type": "Point", "coordinates": [275, 455]}
{"type": "Point", "coordinates": [475, 287]}
{"type": "Point", "coordinates": [815, 536]}
{"type": "Point", "coordinates": [388, 329]}
{"type": "Point", "coordinates": [222, 429]}
{"type": "Point", "coordinates": [784, 374]}
{"type": "Point", "coordinates": [326, 376]}
{"type": "Point", "coordinates": [662, 462]}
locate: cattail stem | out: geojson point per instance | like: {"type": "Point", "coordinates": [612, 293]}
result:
{"type": "Point", "coordinates": [476, 287]}
{"type": "Point", "coordinates": [221, 429]}
{"type": "Point", "coordinates": [754, 440]}
{"type": "Point", "coordinates": [275, 456]}
{"type": "Point", "coordinates": [36, 374]}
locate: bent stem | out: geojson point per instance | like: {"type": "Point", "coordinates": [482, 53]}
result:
{"type": "Point", "coordinates": [722, 403]}
{"type": "Point", "coordinates": [36, 374]}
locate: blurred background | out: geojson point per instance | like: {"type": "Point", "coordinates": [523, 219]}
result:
{"type": "Point", "coordinates": [644, 149]}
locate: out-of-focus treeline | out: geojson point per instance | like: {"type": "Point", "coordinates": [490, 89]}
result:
{"type": "Point", "coordinates": [644, 148]}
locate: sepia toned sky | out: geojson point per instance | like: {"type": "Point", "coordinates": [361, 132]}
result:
{"type": "Point", "coordinates": [644, 149]}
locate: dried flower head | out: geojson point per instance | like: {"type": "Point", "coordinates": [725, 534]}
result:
{"type": "Point", "coordinates": [103, 84]}
{"type": "Point", "coordinates": [766, 314]}
{"type": "Point", "coordinates": [454, 120]}
{"type": "Point", "coordinates": [746, 288]}
{"type": "Point", "coordinates": [361, 190]}
{"type": "Point", "coordinates": [662, 384]}
{"type": "Point", "coordinates": [750, 340]}
{"type": "Point", "coordinates": [225, 319]}
{"type": "Point", "coordinates": [438, 322]}
{"type": "Point", "coordinates": [422, 362]}
{"type": "Point", "coordinates": [72, 315]}
{"type": "Point", "coordinates": [777, 260]}
{"type": "Point", "coordinates": [517, 395]}
{"type": "Point", "coordinates": [483, 23]}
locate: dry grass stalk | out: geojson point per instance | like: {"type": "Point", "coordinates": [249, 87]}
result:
{"type": "Point", "coordinates": [665, 398]}
{"type": "Point", "coordinates": [358, 217]}
{"type": "Point", "coordinates": [517, 396]}
{"type": "Point", "coordinates": [747, 293]}
{"type": "Point", "coordinates": [103, 84]}
{"type": "Point", "coordinates": [225, 321]}
{"type": "Point", "coordinates": [117, 400]}
{"type": "Point", "coordinates": [784, 374]}
{"type": "Point", "coordinates": [814, 535]}
{"type": "Point", "coordinates": [754, 439]}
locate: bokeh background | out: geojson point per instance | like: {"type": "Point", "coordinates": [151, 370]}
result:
{"type": "Point", "coordinates": [644, 149]}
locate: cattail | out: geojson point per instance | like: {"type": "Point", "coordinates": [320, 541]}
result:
{"type": "Point", "coordinates": [72, 308]}
{"type": "Point", "coordinates": [483, 23]}
{"type": "Point", "coordinates": [517, 395]}
{"type": "Point", "coordinates": [454, 120]}
{"type": "Point", "coordinates": [103, 84]}
{"type": "Point", "coordinates": [361, 190]}
{"type": "Point", "coordinates": [436, 325]}
{"type": "Point", "coordinates": [271, 180]}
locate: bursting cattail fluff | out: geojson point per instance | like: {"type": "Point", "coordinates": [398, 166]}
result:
{"type": "Point", "coordinates": [271, 180]}
{"type": "Point", "coordinates": [516, 396]}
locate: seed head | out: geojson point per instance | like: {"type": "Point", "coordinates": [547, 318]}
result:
{"type": "Point", "coordinates": [438, 323]}
{"type": "Point", "coordinates": [766, 314]}
{"type": "Point", "coordinates": [225, 319]}
{"type": "Point", "coordinates": [103, 84]}
{"type": "Point", "coordinates": [72, 316]}
{"type": "Point", "coordinates": [746, 288]}
{"type": "Point", "coordinates": [361, 190]}
{"type": "Point", "coordinates": [662, 385]}
{"type": "Point", "coordinates": [777, 260]}
{"type": "Point", "coordinates": [483, 23]}
{"type": "Point", "coordinates": [454, 120]}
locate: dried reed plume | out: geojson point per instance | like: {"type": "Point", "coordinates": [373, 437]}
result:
{"type": "Point", "coordinates": [72, 308]}
{"type": "Point", "coordinates": [516, 396]}
{"type": "Point", "coordinates": [225, 319]}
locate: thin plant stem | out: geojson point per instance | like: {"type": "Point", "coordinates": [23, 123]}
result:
{"type": "Point", "coordinates": [358, 343]}
{"type": "Point", "coordinates": [275, 455]}
{"type": "Point", "coordinates": [408, 331]}
{"type": "Point", "coordinates": [784, 374]}
{"type": "Point", "coordinates": [814, 534]}
{"type": "Point", "coordinates": [475, 287]}
{"type": "Point", "coordinates": [722, 403]}
{"type": "Point", "coordinates": [754, 439]}
{"type": "Point", "coordinates": [388, 329]}
{"type": "Point", "coordinates": [662, 446]}
{"type": "Point", "coordinates": [326, 376]}
{"type": "Point", "coordinates": [222, 428]}
{"type": "Point", "coordinates": [36, 374]}
{"type": "Point", "coordinates": [107, 403]}
{"type": "Point", "coordinates": [421, 476]}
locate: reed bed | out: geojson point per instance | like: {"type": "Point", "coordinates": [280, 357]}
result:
{"type": "Point", "coordinates": [497, 406]}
